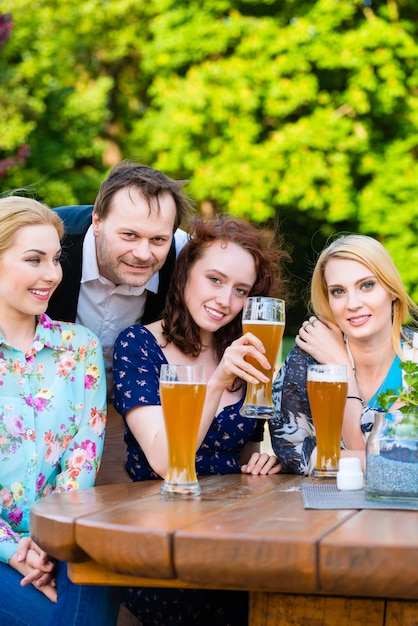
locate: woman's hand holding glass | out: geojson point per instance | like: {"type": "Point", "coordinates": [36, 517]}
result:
{"type": "Point", "coordinates": [234, 365]}
{"type": "Point", "coordinates": [265, 318]}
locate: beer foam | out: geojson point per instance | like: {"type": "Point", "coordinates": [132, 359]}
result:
{"type": "Point", "coordinates": [191, 383]}
{"type": "Point", "coordinates": [269, 322]}
{"type": "Point", "coordinates": [327, 377]}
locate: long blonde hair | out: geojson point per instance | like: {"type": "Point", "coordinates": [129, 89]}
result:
{"type": "Point", "coordinates": [18, 211]}
{"type": "Point", "coordinates": [372, 254]}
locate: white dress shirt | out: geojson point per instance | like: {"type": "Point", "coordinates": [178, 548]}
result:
{"type": "Point", "coordinates": [106, 308]}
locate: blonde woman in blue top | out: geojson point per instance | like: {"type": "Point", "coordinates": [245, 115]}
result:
{"type": "Point", "coordinates": [52, 421]}
{"type": "Point", "coordinates": [360, 308]}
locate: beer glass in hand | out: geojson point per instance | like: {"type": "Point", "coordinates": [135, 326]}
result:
{"type": "Point", "coordinates": [327, 392]}
{"type": "Point", "coordinates": [265, 318]}
{"type": "Point", "coordinates": [182, 393]}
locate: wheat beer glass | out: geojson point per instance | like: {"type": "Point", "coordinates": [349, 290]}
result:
{"type": "Point", "coordinates": [327, 392]}
{"type": "Point", "coordinates": [263, 317]}
{"type": "Point", "coordinates": [182, 393]}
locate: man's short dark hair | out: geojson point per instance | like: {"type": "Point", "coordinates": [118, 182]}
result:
{"type": "Point", "coordinates": [150, 183]}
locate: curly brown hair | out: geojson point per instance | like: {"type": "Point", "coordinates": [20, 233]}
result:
{"type": "Point", "coordinates": [178, 326]}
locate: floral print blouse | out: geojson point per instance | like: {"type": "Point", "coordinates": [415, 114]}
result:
{"type": "Point", "coordinates": [136, 372]}
{"type": "Point", "coordinates": [292, 432]}
{"type": "Point", "coordinates": [52, 421]}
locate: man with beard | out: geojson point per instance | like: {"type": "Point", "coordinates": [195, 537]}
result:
{"type": "Point", "coordinates": [118, 255]}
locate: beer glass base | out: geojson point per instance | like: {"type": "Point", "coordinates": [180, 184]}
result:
{"type": "Point", "coordinates": [258, 412]}
{"type": "Point", "coordinates": [181, 489]}
{"type": "Point", "coordinates": [321, 473]}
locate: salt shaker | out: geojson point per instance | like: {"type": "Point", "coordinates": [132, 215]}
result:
{"type": "Point", "coordinates": [350, 476]}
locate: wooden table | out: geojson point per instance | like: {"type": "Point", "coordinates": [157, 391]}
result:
{"type": "Point", "coordinates": [302, 567]}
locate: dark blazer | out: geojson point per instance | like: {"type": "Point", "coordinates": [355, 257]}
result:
{"type": "Point", "coordinates": [63, 304]}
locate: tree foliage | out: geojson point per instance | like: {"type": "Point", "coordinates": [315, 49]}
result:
{"type": "Point", "coordinates": [301, 112]}
{"type": "Point", "coordinates": [6, 25]}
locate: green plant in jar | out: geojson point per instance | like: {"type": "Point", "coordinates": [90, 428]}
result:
{"type": "Point", "coordinates": [408, 397]}
{"type": "Point", "coordinates": [392, 447]}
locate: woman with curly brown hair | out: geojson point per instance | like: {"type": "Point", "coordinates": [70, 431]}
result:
{"type": "Point", "coordinates": [225, 261]}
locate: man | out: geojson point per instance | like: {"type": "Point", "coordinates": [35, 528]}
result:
{"type": "Point", "coordinates": [118, 256]}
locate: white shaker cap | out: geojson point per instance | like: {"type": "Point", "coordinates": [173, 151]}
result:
{"type": "Point", "coordinates": [349, 475]}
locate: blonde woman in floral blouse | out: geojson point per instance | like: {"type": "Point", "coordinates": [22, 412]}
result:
{"type": "Point", "coordinates": [52, 421]}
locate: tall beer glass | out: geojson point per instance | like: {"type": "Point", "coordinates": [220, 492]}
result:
{"type": "Point", "coordinates": [182, 392]}
{"type": "Point", "coordinates": [327, 392]}
{"type": "Point", "coordinates": [265, 318]}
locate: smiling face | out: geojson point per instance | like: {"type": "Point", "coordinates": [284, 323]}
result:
{"type": "Point", "coordinates": [30, 271]}
{"type": "Point", "coordinates": [361, 306]}
{"type": "Point", "coordinates": [218, 284]}
{"type": "Point", "coordinates": [132, 242]}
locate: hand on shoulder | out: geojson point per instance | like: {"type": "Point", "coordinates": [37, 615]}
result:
{"type": "Point", "coordinates": [323, 340]}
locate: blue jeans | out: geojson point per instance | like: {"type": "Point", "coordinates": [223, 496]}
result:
{"type": "Point", "coordinates": [77, 605]}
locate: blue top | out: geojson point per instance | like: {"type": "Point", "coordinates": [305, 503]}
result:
{"type": "Point", "coordinates": [52, 421]}
{"type": "Point", "coordinates": [393, 380]}
{"type": "Point", "coordinates": [136, 372]}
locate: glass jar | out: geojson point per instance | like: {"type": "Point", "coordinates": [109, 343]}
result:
{"type": "Point", "coordinates": [392, 458]}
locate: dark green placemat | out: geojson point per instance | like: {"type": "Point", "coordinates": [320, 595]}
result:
{"type": "Point", "coordinates": [325, 496]}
